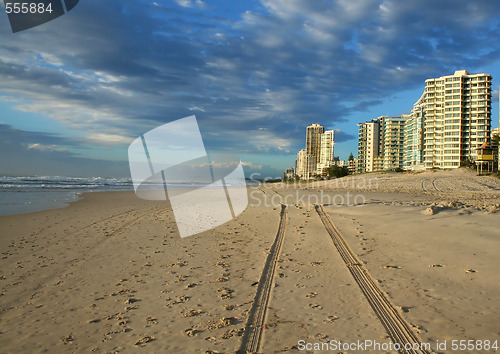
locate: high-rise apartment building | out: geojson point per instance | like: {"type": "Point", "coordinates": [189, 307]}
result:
{"type": "Point", "coordinates": [306, 165]}
{"type": "Point", "coordinates": [392, 133]}
{"type": "Point", "coordinates": [368, 145]}
{"type": "Point", "coordinates": [457, 119]}
{"type": "Point", "coordinates": [495, 133]}
{"type": "Point", "coordinates": [381, 144]}
{"type": "Point", "coordinates": [326, 158]}
{"type": "Point", "coordinates": [414, 137]}
{"type": "Point", "coordinates": [313, 140]}
{"type": "Point", "coordinates": [318, 154]}
{"type": "Point", "coordinates": [300, 164]}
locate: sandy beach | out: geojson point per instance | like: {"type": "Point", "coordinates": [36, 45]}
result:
{"type": "Point", "coordinates": [110, 273]}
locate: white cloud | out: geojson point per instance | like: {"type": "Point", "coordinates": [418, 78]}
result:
{"type": "Point", "coordinates": [42, 147]}
{"type": "Point", "coordinates": [191, 3]}
{"type": "Point", "coordinates": [108, 139]}
{"type": "Point", "coordinates": [51, 59]}
{"type": "Point", "coordinates": [252, 165]}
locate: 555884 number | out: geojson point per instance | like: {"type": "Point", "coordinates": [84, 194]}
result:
{"type": "Point", "coordinates": [27, 8]}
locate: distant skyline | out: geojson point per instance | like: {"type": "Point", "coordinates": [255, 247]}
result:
{"type": "Point", "coordinates": [76, 91]}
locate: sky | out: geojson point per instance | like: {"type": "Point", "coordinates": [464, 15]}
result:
{"type": "Point", "coordinates": [76, 91]}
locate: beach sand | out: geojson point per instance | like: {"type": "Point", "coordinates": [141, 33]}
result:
{"type": "Point", "coordinates": [110, 273]}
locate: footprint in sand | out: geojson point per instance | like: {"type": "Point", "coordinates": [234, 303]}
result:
{"type": "Point", "coordinates": [437, 265]}
{"type": "Point", "coordinates": [179, 300]}
{"type": "Point", "coordinates": [322, 337]}
{"type": "Point", "coordinates": [316, 306]}
{"type": "Point", "coordinates": [391, 267]}
{"type": "Point", "coordinates": [146, 339]}
{"type": "Point", "coordinates": [226, 321]}
{"type": "Point", "coordinates": [221, 264]}
{"type": "Point", "coordinates": [312, 264]}
{"type": "Point", "coordinates": [190, 332]}
{"type": "Point", "coordinates": [192, 313]}
{"type": "Point", "coordinates": [122, 292]}
{"type": "Point", "coordinates": [330, 319]}
{"type": "Point", "coordinates": [311, 295]}
{"type": "Point", "coordinates": [220, 280]}
{"type": "Point", "coordinates": [131, 300]}
{"type": "Point", "coordinates": [226, 293]}
{"type": "Point", "coordinates": [232, 332]}
{"type": "Point", "coordinates": [419, 329]}
{"type": "Point", "coordinates": [68, 339]}
{"type": "Point", "coordinates": [181, 278]}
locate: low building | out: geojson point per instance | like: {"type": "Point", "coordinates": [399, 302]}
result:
{"type": "Point", "coordinates": [289, 174]}
{"type": "Point", "coordinates": [352, 165]}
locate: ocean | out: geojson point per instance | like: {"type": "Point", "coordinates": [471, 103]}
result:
{"type": "Point", "coordinates": [23, 194]}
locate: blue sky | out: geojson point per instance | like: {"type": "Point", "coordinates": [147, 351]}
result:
{"type": "Point", "coordinates": [75, 92]}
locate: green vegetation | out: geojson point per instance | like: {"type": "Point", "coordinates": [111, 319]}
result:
{"type": "Point", "coordinates": [337, 171]}
{"type": "Point", "coordinates": [469, 163]}
{"type": "Point", "coordinates": [495, 139]}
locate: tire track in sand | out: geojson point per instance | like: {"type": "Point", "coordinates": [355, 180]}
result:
{"type": "Point", "coordinates": [395, 325]}
{"type": "Point", "coordinates": [433, 184]}
{"type": "Point", "coordinates": [254, 329]}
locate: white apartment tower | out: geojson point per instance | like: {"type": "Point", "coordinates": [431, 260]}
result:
{"type": "Point", "coordinates": [301, 163]}
{"type": "Point", "coordinates": [326, 157]}
{"type": "Point", "coordinates": [306, 165]}
{"type": "Point", "coordinates": [313, 140]}
{"type": "Point", "coordinates": [368, 145]}
{"type": "Point", "coordinates": [457, 112]}
{"type": "Point", "coordinates": [392, 133]}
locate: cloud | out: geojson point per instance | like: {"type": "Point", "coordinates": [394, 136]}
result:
{"type": "Point", "coordinates": [41, 147]}
{"type": "Point", "coordinates": [279, 65]}
{"type": "Point", "coordinates": [341, 136]}
{"type": "Point", "coordinates": [191, 3]}
{"type": "Point", "coordinates": [252, 165]}
{"type": "Point", "coordinates": [38, 153]}
{"type": "Point", "coordinates": [108, 139]}
{"type": "Point", "coordinates": [494, 95]}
